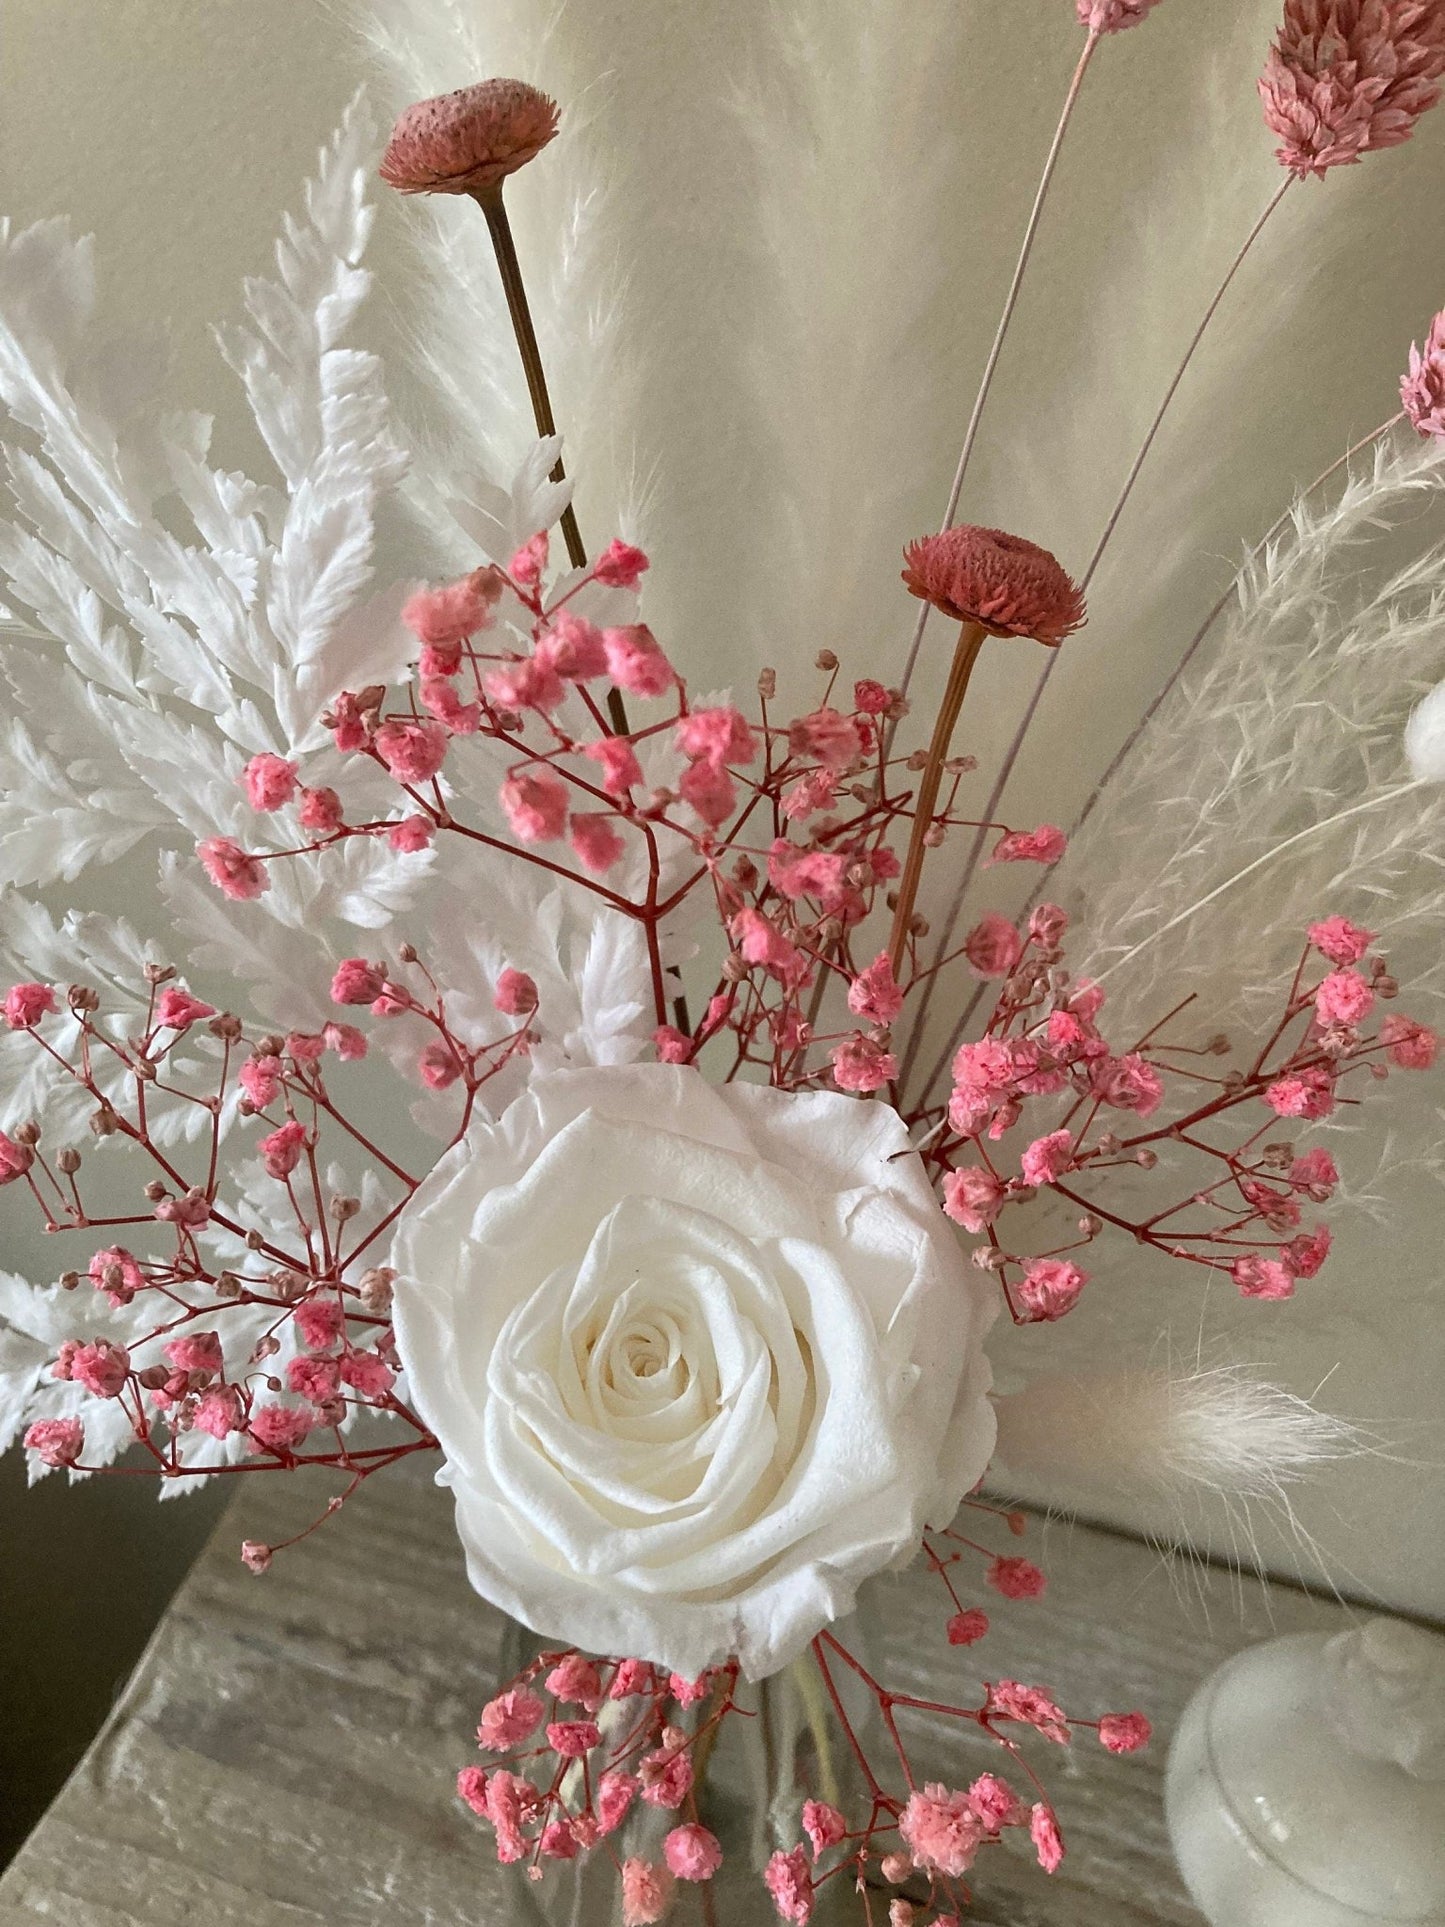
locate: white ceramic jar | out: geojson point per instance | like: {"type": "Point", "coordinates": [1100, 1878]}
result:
{"type": "Point", "coordinates": [1306, 1782]}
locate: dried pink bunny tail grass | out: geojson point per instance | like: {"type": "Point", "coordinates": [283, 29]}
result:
{"type": "Point", "coordinates": [1008, 586]}
{"type": "Point", "coordinates": [1169, 1433]}
{"type": "Point", "coordinates": [469, 141]}
{"type": "Point", "coordinates": [1347, 76]}
{"type": "Point", "coordinates": [1112, 16]}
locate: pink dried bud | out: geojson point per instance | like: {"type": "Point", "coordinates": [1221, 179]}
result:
{"type": "Point", "coordinates": [788, 1880]}
{"type": "Point", "coordinates": [692, 1853]}
{"type": "Point", "coordinates": [1016, 1578]}
{"type": "Point", "coordinates": [1124, 1732]}
{"type": "Point", "coordinates": [635, 661]}
{"type": "Point", "coordinates": [56, 1441]}
{"type": "Point", "coordinates": [255, 1556]}
{"type": "Point", "coordinates": [1345, 77]}
{"type": "Point", "coordinates": [269, 781]}
{"type": "Point", "coordinates": [234, 873]}
{"type": "Point", "coordinates": [1010, 586]}
{"type": "Point", "coordinates": [177, 1009]}
{"type": "Point", "coordinates": [469, 141]}
{"type": "Point", "coordinates": [824, 1825]}
{"type": "Point", "coordinates": [571, 1739]}
{"type": "Point", "coordinates": [515, 994]}
{"type": "Point", "coordinates": [620, 565]}
{"type": "Point", "coordinates": [26, 1004]}
{"type": "Point", "coordinates": [965, 1628]}
{"type": "Point", "coordinates": [646, 1892]}
{"type": "Point", "coordinates": [509, 1719]}
{"type": "Point", "coordinates": [374, 1290]}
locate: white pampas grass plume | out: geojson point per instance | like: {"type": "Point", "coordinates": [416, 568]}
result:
{"type": "Point", "coordinates": [1271, 786]}
{"type": "Point", "coordinates": [1425, 738]}
{"type": "Point", "coordinates": [1167, 1432]}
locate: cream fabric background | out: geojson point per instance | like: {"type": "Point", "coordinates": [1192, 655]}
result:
{"type": "Point", "coordinates": [177, 133]}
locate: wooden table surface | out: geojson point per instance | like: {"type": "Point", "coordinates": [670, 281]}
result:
{"type": "Point", "coordinates": [284, 1754]}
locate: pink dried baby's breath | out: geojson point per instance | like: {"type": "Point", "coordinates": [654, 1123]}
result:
{"type": "Point", "coordinates": [469, 141]}
{"type": "Point", "coordinates": [941, 1830]}
{"type": "Point", "coordinates": [1011, 586]}
{"type": "Point", "coordinates": [1345, 77]}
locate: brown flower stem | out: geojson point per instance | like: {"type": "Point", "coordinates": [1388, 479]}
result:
{"type": "Point", "coordinates": [965, 655]}
{"type": "Point", "coordinates": [1011, 755]}
{"type": "Point", "coordinates": [489, 200]}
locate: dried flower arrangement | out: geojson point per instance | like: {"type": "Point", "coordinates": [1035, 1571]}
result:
{"type": "Point", "coordinates": [677, 1301]}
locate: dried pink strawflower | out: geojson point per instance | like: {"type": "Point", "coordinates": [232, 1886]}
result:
{"type": "Point", "coordinates": [1347, 76]}
{"type": "Point", "coordinates": [1112, 16]}
{"type": "Point", "coordinates": [1010, 586]}
{"type": "Point", "coordinates": [1422, 390]}
{"type": "Point", "coordinates": [469, 141]}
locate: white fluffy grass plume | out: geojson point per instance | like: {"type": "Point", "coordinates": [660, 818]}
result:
{"type": "Point", "coordinates": [1169, 1433]}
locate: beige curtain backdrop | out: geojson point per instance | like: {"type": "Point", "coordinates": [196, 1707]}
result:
{"type": "Point", "coordinates": [177, 132]}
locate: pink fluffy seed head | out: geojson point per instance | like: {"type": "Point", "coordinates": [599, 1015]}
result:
{"type": "Point", "coordinates": [469, 141]}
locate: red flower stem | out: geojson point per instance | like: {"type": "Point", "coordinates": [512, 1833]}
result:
{"type": "Point", "coordinates": [990, 367]}
{"type": "Point", "coordinates": [965, 655]}
{"type": "Point", "coordinates": [847, 1725]}
{"type": "Point", "coordinates": [1011, 756]}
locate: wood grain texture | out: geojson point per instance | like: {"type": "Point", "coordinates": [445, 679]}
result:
{"type": "Point", "coordinates": [284, 1753]}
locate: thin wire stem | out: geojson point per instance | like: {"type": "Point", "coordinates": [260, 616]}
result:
{"type": "Point", "coordinates": [1011, 755]}
{"type": "Point", "coordinates": [1010, 303]}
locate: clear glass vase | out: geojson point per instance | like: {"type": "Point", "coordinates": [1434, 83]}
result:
{"type": "Point", "coordinates": [783, 1747]}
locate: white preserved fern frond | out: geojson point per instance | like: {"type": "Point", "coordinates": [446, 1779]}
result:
{"type": "Point", "coordinates": [167, 618]}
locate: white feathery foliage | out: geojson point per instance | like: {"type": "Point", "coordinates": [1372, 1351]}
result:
{"type": "Point", "coordinates": [1273, 786]}
{"type": "Point", "coordinates": [1175, 1433]}
{"type": "Point", "coordinates": [166, 619]}
{"type": "Point", "coordinates": [170, 619]}
{"type": "Point", "coordinates": [461, 367]}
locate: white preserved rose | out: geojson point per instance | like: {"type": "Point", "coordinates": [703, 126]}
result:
{"type": "Point", "coordinates": [700, 1359]}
